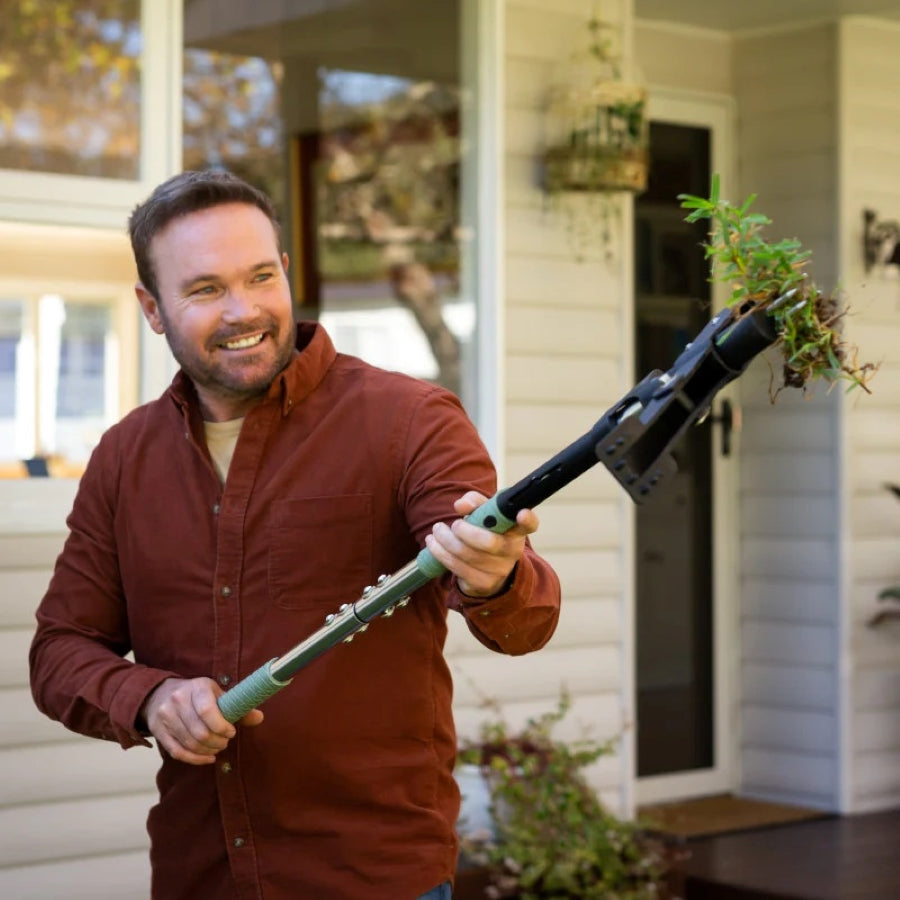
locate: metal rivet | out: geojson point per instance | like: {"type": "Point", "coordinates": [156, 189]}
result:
{"type": "Point", "coordinates": [238, 842]}
{"type": "Point", "coordinates": [226, 591]}
{"type": "Point", "coordinates": [215, 509]}
{"type": "Point", "coordinates": [224, 679]}
{"type": "Point", "coordinates": [226, 768]}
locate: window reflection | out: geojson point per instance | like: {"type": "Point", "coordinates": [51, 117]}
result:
{"type": "Point", "coordinates": [70, 87]}
{"type": "Point", "coordinates": [348, 114]}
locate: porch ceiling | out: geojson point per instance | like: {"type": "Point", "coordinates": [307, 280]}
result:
{"type": "Point", "coordinates": [739, 15]}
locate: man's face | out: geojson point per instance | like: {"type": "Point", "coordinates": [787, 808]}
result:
{"type": "Point", "coordinates": [224, 304]}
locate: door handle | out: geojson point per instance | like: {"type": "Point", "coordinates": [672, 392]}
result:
{"type": "Point", "coordinates": [730, 420]}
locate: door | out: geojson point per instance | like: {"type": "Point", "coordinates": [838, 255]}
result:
{"type": "Point", "coordinates": [684, 583]}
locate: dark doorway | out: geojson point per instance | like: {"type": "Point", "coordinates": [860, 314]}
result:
{"type": "Point", "coordinates": [674, 542]}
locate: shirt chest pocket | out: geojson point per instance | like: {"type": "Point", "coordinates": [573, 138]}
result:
{"type": "Point", "coordinates": [320, 551]}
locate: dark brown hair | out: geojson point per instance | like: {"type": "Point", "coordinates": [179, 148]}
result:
{"type": "Point", "coordinates": [181, 195]}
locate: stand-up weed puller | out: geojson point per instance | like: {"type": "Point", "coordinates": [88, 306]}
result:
{"type": "Point", "coordinates": [772, 301]}
{"type": "Point", "coordinates": [632, 440]}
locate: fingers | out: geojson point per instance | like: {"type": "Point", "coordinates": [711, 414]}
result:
{"type": "Point", "coordinates": [527, 521]}
{"type": "Point", "coordinates": [481, 559]}
{"type": "Point", "coordinates": [184, 717]}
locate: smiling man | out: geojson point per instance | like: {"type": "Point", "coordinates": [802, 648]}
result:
{"type": "Point", "coordinates": [220, 524]}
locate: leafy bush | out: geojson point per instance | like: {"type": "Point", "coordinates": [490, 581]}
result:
{"type": "Point", "coordinates": [554, 839]}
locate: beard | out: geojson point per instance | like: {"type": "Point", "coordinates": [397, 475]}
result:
{"type": "Point", "coordinates": [241, 376]}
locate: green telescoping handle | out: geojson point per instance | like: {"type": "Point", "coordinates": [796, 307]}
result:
{"type": "Point", "coordinates": [276, 674]}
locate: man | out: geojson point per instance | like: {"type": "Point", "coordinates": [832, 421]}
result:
{"type": "Point", "coordinates": [217, 526]}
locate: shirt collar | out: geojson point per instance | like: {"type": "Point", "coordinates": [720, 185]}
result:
{"type": "Point", "coordinates": [312, 358]}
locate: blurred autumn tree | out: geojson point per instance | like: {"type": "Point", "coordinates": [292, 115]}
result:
{"type": "Point", "coordinates": [70, 86]}
{"type": "Point", "coordinates": [387, 176]}
{"type": "Point", "coordinates": [389, 201]}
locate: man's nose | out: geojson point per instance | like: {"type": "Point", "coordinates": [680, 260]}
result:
{"type": "Point", "coordinates": [238, 305]}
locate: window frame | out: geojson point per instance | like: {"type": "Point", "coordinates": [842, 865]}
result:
{"type": "Point", "coordinates": [119, 298]}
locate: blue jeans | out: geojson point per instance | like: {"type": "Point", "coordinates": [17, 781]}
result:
{"type": "Point", "coordinates": [441, 892]}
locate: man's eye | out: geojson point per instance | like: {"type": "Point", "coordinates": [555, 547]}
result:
{"type": "Point", "coordinates": [262, 276]}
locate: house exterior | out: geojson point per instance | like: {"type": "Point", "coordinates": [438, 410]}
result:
{"type": "Point", "coordinates": [800, 108]}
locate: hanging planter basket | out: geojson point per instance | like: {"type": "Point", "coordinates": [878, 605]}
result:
{"type": "Point", "coordinates": [598, 139]}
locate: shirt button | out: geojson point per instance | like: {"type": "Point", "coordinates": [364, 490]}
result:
{"type": "Point", "coordinates": [238, 842]}
{"type": "Point", "coordinates": [226, 591]}
{"type": "Point", "coordinates": [224, 679]}
{"type": "Point", "coordinates": [215, 509]}
{"type": "Point", "coordinates": [226, 768]}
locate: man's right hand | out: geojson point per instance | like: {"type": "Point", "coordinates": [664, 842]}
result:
{"type": "Point", "coordinates": [184, 717]}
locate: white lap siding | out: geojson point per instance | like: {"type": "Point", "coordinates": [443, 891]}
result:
{"type": "Point", "coordinates": [72, 809]}
{"type": "Point", "coordinates": [870, 179]}
{"type": "Point", "coordinates": [566, 360]}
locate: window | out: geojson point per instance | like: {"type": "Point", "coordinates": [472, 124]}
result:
{"type": "Point", "coordinates": [70, 87]}
{"type": "Point", "coordinates": [348, 115]}
{"type": "Point", "coordinates": [59, 380]}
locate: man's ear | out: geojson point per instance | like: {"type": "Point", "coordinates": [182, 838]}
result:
{"type": "Point", "coordinates": [284, 261]}
{"type": "Point", "coordinates": [150, 308]}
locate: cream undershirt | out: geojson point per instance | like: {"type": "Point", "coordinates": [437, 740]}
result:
{"type": "Point", "coordinates": [221, 438]}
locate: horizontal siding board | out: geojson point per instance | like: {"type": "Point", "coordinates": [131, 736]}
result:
{"type": "Point", "coordinates": [581, 670]}
{"type": "Point", "coordinates": [877, 688]}
{"type": "Point", "coordinates": [797, 431]}
{"type": "Point", "coordinates": [23, 551]}
{"type": "Point", "coordinates": [562, 331]}
{"type": "Point", "coordinates": [875, 732]}
{"type": "Point", "coordinates": [877, 776]}
{"type": "Point", "coordinates": [806, 601]}
{"type": "Point", "coordinates": [592, 574]}
{"type": "Point", "coordinates": [21, 724]}
{"type": "Point", "coordinates": [789, 773]}
{"type": "Point", "coordinates": [21, 590]}
{"type": "Point", "coordinates": [543, 379]}
{"type": "Point", "coordinates": [45, 831]}
{"type": "Point", "coordinates": [553, 281]}
{"type": "Point", "coordinates": [35, 505]}
{"type": "Point", "coordinates": [795, 558]}
{"type": "Point", "coordinates": [813, 516]}
{"type": "Point", "coordinates": [789, 686]}
{"type": "Point", "coordinates": [791, 730]}
{"type": "Point", "coordinates": [14, 645]}
{"type": "Point", "coordinates": [584, 526]}
{"type": "Point", "coordinates": [776, 472]}
{"type": "Point", "coordinates": [781, 642]}
{"type": "Point", "coordinates": [80, 767]}
{"type": "Point", "coordinates": [690, 61]}
{"type": "Point", "coordinates": [110, 876]}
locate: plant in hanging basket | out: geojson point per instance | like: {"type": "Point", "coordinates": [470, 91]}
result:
{"type": "Point", "coordinates": [597, 125]}
{"type": "Point", "coordinates": [605, 139]}
{"type": "Point", "coordinates": [773, 276]}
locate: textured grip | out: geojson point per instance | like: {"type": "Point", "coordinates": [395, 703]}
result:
{"type": "Point", "coordinates": [250, 692]}
{"type": "Point", "coordinates": [488, 515]}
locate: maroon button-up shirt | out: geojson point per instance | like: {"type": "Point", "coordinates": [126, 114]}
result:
{"type": "Point", "coordinates": [346, 791]}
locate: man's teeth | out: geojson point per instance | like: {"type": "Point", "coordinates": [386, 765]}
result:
{"type": "Point", "coordinates": [243, 343]}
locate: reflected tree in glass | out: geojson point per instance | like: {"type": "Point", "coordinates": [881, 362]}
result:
{"type": "Point", "coordinates": [70, 87]}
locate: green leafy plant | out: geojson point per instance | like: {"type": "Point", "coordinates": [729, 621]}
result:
{"type": "Point", "coordinates": [554, 838]}
{"type": "Point", "coordinates": [772, 275]}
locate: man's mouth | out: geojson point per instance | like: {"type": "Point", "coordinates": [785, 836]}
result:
{"type": "Point", "coordinates": [244, 342]}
